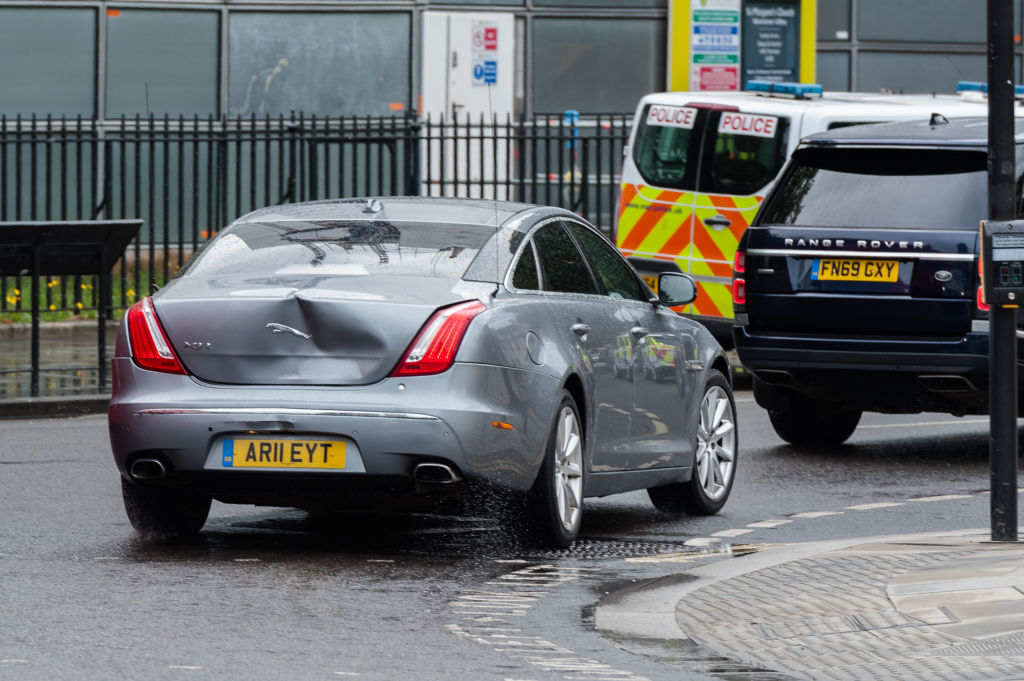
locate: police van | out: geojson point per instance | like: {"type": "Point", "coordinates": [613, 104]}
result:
{"type": "Point", "coordinates": [698, 165]}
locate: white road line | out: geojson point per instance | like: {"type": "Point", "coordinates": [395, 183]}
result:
{"type": "Point", "coordinates": [769, 523]}
{"type": "Point", "coordinates": [815, 514]}
{"type": "Point", "coordinates": [943, 497]}
{"type": "Point", "coordinates": [972, 422]}
{"type": "Point", "coordinates": [731, 533]}
{"type": "Point", "coordinates": [186, 667]}
{"type": "Point", "coordinates": [870, 507]}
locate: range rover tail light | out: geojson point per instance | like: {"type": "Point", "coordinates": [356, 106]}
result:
{"type": "Point", "coordinates": [739, 283]}
{"type": "Point", "coordinates": [149, 345]}
{"type": "Point", "coordinates": [434, 349]}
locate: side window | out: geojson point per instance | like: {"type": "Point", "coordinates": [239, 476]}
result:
{"type": "Point", "coordinates": [561, 263]}
{"type": "Point", "coordinates": [525, 275]}
{"type": "Point", "coordinates": [611, 270]}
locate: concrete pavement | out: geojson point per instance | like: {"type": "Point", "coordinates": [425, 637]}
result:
{"type": "Point", "coordinates": [943, 607]}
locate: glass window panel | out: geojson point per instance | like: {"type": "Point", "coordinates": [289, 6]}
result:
{"type": "Point", "coordinates": [611, 270]}
{"type": "Point", "coordinates": [596, 65]}
{"type": "Point", "coordinates": [50, 61]}
{"type": "Point", "coordinates": [525, 275]}
{"type": "Point", "coordinates": [954, 21]}
{"type": "Point", "coordinates": [329, 64]}
{"type": "Point", "coordinates": [917, 72]}
{"type": "Point", "coordinates": [561, 262]}
{"type": "Point", "coordinates": [162, 62]}
{"type": "Point", "coordinates": [834, 70]}
{"type": "Point", "coordinates": [834, 20]}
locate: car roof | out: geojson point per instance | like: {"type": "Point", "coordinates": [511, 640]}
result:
{"type": "Point", "coordinates": [832, 103]}
{"type": "Point", "coordinates": [397, 209]}
{"type": "Point", "coordinates": [954, 132]}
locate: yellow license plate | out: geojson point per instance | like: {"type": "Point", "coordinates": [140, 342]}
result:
{"type": "Point", "coordinates": [855, 270]}
{"type": "Point", "coordinates": [651, 281]}
{"type": "Point", "coordinates": [269, 453]}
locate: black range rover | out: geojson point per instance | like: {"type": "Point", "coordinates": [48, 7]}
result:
{"type": "Point", "coordinates": [856, 288]}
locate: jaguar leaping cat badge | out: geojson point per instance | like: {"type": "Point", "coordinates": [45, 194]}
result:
{"type": "Point", "coordinates": [281, 328]}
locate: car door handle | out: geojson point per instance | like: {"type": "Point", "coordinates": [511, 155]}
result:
{"type": "Point", "coordinates": [581, 330]}
{"type": "Point", "coordinates": [718, 222]}
{"type": "Point", "coordinates": [638, 332]}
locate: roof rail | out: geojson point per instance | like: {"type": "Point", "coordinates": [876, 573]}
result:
{"type": "Point", "coordinates": [783, 89]}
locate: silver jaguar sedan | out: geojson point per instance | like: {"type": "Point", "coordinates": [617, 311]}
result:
{"type": "Point", "coordinates": [392, 352]}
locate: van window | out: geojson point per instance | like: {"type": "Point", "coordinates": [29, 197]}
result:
{"type": "Point", "coordinates": [666, 155]}
{"type": "Point", "coordinates": [739, 163]}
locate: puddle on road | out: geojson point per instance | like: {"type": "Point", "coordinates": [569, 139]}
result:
{"type": "Point", "coordinates": [689, 656]}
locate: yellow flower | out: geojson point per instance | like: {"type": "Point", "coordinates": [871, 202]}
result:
{"type": "Point", "coordinates": [86, 287]}
{"type": "Point", "coordinates": [131, 294]}
{"type": "Point", "coordinates": [52, 283]}
{"type": "Point", "coordinates": [78, 305]}
{"type": "Point", "coordinates": [17, 292]}
{"type": "Point", "coordinates": [53, 307]}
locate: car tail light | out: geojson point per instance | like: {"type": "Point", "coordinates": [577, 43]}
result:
{"type": "Point", "coordinates": [979, 294]}
{"type": "Point", "coordinates": [739, 292]}
{"type": "Point", "coordinates": [435, 347]}
{"type": "Point", "coordinates": [149, 346]}
{"type": "Point", "coordinates": [739, 263]}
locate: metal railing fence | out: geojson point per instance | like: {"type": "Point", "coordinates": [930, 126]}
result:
{"type": "Point", "coordinates": [187, 177]}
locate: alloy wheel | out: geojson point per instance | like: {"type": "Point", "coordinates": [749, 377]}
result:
{"type": "Point", "coordinates": [716, 443]}
{"type": "Point", "coordinates": [568, 468]}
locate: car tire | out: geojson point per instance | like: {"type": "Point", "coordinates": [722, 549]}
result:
{"type": "Point", "coordinates": [714, 466]}
{"type": "Point", "coordinates": [556, 499]}
{"type": "Point", "coordinates": [165, 513]}
{"type": "Point", "coordinates": [808, 423]}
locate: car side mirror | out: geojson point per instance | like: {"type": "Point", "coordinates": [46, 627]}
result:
{"type": "Point", "coordinates": [676, 288]}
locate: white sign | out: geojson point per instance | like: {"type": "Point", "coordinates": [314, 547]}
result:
{"type": "Point", "coordinates": [485, 52]}
{"type": "Point", "coordinates": [671, 116]}
{"type": "Point", "coordinates": [715, 45]}
{"type": "Point", "coordinates": [747, 124]}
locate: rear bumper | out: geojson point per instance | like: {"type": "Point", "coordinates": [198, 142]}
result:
{"type": "Point", "coordinates": [913, 375]}
{"type": "Point", "coordinates": [389, 428]}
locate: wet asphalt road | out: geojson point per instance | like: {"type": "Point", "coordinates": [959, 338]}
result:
{"type": "Point", "coordinates": [270, 594]}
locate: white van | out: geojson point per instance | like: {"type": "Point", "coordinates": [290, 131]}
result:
{"type": "Point", "coordinates": [699, 164]}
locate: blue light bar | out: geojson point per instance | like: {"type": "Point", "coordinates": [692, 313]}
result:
{"type": "Point", "coordinates": [971, 86]}
{"type": "Point", "coordinates": [978, 86]}
{"type": "Point", "coordinates": [798, 90]}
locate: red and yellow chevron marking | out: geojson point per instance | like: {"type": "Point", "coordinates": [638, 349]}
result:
{"type": "Point", "coordinates": [661, 227]}
{"type": "Point", "coordinates": [713, 299]}
{"type": "Point", "coordinates": [646, 225]}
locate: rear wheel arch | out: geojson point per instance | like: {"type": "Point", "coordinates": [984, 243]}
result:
{"type": "Point", "coordinates": [575, 387]}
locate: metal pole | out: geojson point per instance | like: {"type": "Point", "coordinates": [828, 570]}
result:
{"type": "Point", "coordinates": [1002, 320]}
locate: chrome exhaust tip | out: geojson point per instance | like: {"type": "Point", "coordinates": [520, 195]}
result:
{"type": "Point", "coordinates": [435, 473]}
{"type": "Point", "coordinates": [147, 469]}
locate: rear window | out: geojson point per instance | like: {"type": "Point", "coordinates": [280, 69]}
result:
{"type": "Point", "coordinates": [667, 146]}
{"type": "Point", "coordinates": [710, 151]}
{"type": "Point", "coordinates": [882, 188]}
{"type": "Point", "coordinates": [341, 248]}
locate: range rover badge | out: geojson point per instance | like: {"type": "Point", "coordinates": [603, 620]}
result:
{"type": "Point", "coordinates": [281, 328]}
{"type": "Point", "coordinates": [943, 275]}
